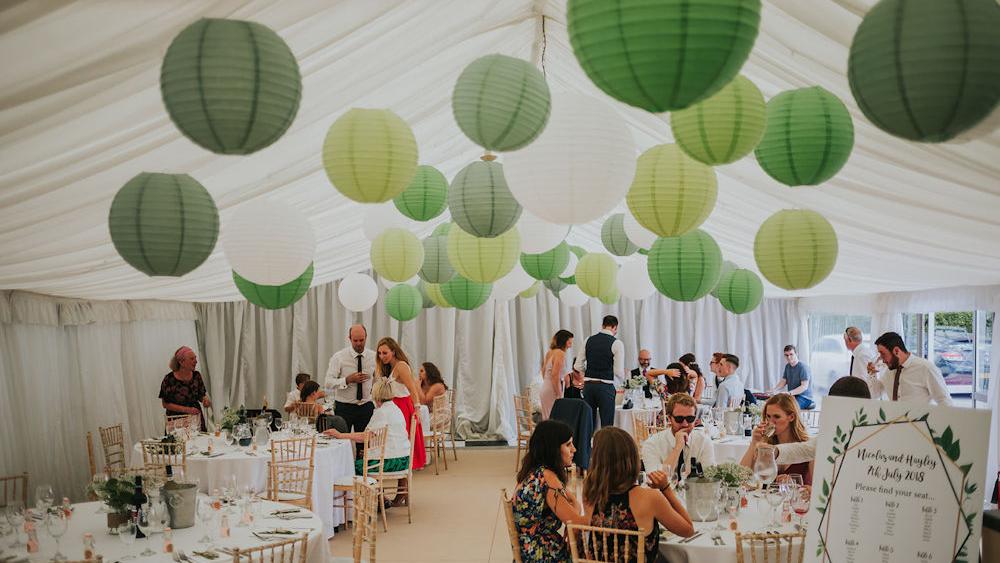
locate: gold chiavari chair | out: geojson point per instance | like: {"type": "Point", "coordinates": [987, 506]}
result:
{"type": "Point", "coordinates": [292, 550]}
{"type": "Point", "coordinates": [525, 425]}
{"type": "Point", "coordinates": [440, 426]}
{"type": "Point", "coordinates": [290, 471]}
{"type": "Point", "coordinates": [452, 430]}
{"type": "Point", "coordinates": [810, 419]}
{"type": "Point", "coordinates": [508, 513]}
{"type": "Point", "coordinates": [786, 548]}
{"type": "Point", "coordinates": [154, 472]}
{"type": "Point", "coordinates": [365, 518]}
{"type": "Point", "coordinates": [14, 486]}
{"type": "Point", "coordinates": [91, 462]}
{"type": "Point", "coordinates": [178, 421]}
{"type": "Point", "coordinates": [640, 430]}
{"type": "Point", "coordinates": [373, 460]}
{"type": "Point", "coordinates": [402, 480]}
{"type": "Point", "coordinates": [590, 544]}
{"type": "Point", "coordinates": [310, 411]}
{"type": "Point", "coordinates": [113, 444]}
{"type": "Point", "coordinates": [161, 454]}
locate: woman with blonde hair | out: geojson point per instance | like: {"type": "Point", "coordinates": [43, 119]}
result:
{"type": "Point", "coordinates": [387, 414]}
{"type": "Point", "coordinates": [781, 412]}
{"type": "Point", "coordinates": [393, 365]}
{"type": "Point", "coordinates": [553, 368]}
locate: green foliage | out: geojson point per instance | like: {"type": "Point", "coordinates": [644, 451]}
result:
{"type": "Point", "coordinates": [115, 492]}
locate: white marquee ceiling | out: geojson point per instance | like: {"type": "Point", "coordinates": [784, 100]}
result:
{"type": "Point", "coordinates": [80, 114]}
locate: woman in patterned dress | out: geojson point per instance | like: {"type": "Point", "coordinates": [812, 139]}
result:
{"type": "Point", "coordinates": [182, 391]}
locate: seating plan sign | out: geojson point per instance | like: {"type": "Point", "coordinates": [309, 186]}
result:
{"type": "Point", "coordinates": [897, 482]}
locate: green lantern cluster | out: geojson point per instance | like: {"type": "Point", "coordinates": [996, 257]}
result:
{"type": "Point", "coordinates": [662, 55]}
{"type": "Point", "coordinates": [723, 128]}
{"type": "Point", "coordinates": [483, 260]}
{"type": "Point", "coordinates": [531, 291]}
{"type": "Point", "coordinates": [546, 265]}
{"type": "Point", "coordinates": [580, 252]}
{"type": "Point", "coordinates": [370, 155]}
{"type": "Point", "coordinates": [403, 302]}
{"type": "Point", "coordinates": [480, 201]}
{"type": "Point", "coordinates": [727, 267]}
{"type": "Point", "coordinates": [434, 292]}
{"type": "Point", "coordinates": [397, 254]}
{"type": "Point", "coordinates": [231, 86]}
{"type": "Point", "coordinates": [465, 294]}
{"type": "Point", "coordinates": [163, 224]}
{"type": "Point", "coordinates": [427, 301]}
{"type": "Point", "coordinates": [740, 291]}
{"type": "Point", "coordinates": [274, 296]}
{"type": "Point", "coordinates": [614, 238]}
{"type": "Point", "coordinates": [436, 267]}
{"type": "Point", "coordinates": [501, 103]}
{"type": "Point", "coordinates": [808, 137]}
{"type": "Point", "coordinates": [672, 193]}
{"type": "Point", "coordinates": [596, 274]}
{"type": "Point", "coordinates": [685, 268]}
{"type": "Point", "coordinates": [426, 197]}
{"type": "Point", "coordinates": [795, 248]}
{"type": "Point", "coordinates": [555, 285]}
{"type": "Point", "coordinates": [927, 70]}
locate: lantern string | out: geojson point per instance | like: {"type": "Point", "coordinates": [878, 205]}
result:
{"type": "Point", "coordinates": [543, 48]}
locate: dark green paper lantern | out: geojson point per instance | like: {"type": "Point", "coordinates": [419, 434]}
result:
{"type": "Point", "coordinates": [662, 55]}
{"type": "Point", "coordinates": [546, 265]}
{"type": "Point", "coordinates": [480, 201]}
{"type": "Point", "coordinates": [231, 86]}
{"type": "Point", "coordinates": [808, 137]}
{"type": "Point", "coordinates": [614, 238]}
{"type": "Point", "coordinates": [426, 197]}
{"type": "Point", "coordinates": [685, 268]}
{"type": "Point", "coordinates": [403, 302]}
{"type": "Point", "coordinates": [436, 267]}
{"type": "Point", "coordinates": [274, 296]}
{"type": "Point", "coordinates": [740, 291]}
{"type": "Point", "coordinates": [163, 224]}
{"type": "Point", "coordinates": [927, 70]}
{"type": "Point", "coordinates": [465, 294]}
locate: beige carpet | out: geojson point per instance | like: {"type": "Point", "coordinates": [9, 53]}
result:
{"type": "Point", "coordinates": [456, 515]}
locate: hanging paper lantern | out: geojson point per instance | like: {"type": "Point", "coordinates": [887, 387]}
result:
{"type": "Point", "coordinates": [389, 284]}
{"type": "Point", "coordinates": [795, 248]}
{"type": "Point", "coordinates": [614, 238]}
{"type": "Point", "coordinates": [596, 274]}
{"type": "Point", "coordinates": [546, 265]}
{"type": "Point", "coordinates": [501, 103]}
{"type": "Point", "coordinates": [633, 280]}
{"type": "Point", "coordinates": [611, 296]}
{"type": "Point", "coordinates": [531, 291]}
{"type": "Point", "coordinates": [687, 267]}
{"type": "Point", "coordinates": [397, 255]}
{"type": "Point", "coordinates": [433, 291]}
{"type": "Point", "coordinates": [579, 168]}
{"type": "Point", "coordinates": [427, 301]}
{"type": "Point", "coordinates": [723, 128]}
{"type": "Point", "coordinates": [436, 267]}
{"type": "Point", "coordinates": [274, 296]}
{"type": "Point", "coordinates": [465, 294]}
{"type": "Point", "coordinates": [672, 193]}
{"type": "Point", "coordinates": [927, 70]}
{"type": "Point", "coordinates": [268, 242]}
{"type": "Point", "coordinates": [740, 291]}
{"type": "Point", "coordinates": [662, 55]}
{"type": "Point", "coordinates": [509, 286]}
{"type": "Point", "coordinates": [808, 137]}
{"type": "Point", "coordinates": [480, 202]}
{"type": "Point", "coordinates": [571, 296]}
{"type": "Point", "coordinates": [639, 235]}
{"type": "Point", "coordinates": [370, 155]}
{"type": "Point", "coordinates": [575, 253]}
{"type": "Point", "coordinates": [556, 285]}
{"type": "Point", "coordinates": [539, 236]}
{"type": "Point", "coordinates": [727, 267]}
{"type": "Point", "coordinates": [357, 292]}
{"type": "Point", "coordinates": [483, 260]}
{"type": "Point", "coordinates": [163, 224]}
{"type": "Point", "coordinates": [426, 197]}
{"type": "Point", "coordinates": [403, 302]}
{"type": "Point", "coordinates": [379, 217]}
{"type": "Point", "coordinates": [231, 86]}
{"type": "Point", "coordinates": [441, 230]}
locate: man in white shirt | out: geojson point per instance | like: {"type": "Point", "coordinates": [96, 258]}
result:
{"type": "Point", "coordinates": [907, 377]}
{"type": "Point", "coordinates": [678, 445]}
{"type": "Point", "coordinates": [861, 355]}
{"type": "Point", "coordinates": [730, 384]}
{"type": "Point", "coordinates": [602, 364]}
{"type": "Point", "coordinates": [349, 380]}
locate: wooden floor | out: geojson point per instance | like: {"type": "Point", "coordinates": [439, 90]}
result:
{"type": "Point", "coordinates": [456, 515]}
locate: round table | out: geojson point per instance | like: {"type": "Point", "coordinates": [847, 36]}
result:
{"type": "Point", "coordinates": [624, 417]}
{"type": "Point", "coordinates": [730, 448]}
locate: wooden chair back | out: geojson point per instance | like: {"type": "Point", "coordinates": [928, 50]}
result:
{"type": "Point", "coordinates": [441, 414]}
{"type": "Point", "coordinates": [113, 444]}
{"type": "Point", "coordinates": [291, 483]}
{"type": "Point", "coordinates": [292, 550]}
{"type": "Point", "coordinates": [14, 487]}
{"type": "Point", "coordinates": [161, 454]}
{"type": "Point", "coordinates": [374, 451]}
{"type": "Point", "coordinates": [174, 422]}
{"type": "Point", "coordinates": [508, 513]}
{"type": "Point", "coordinates": [366, 505]}
{"type": "Point", "coordinates": [640, 430]}
{"type": "Point", "coordinates": [147, 473]}
{"type": "Point", "coordinates": [522, 407]}
{"type": "Point", "coordinates": [590, 544]}
{"type": "Point", "coordinates": [309, 411]}
{"type": "Point", "coordinates": [293, 450]}
{"type": "Point", "coordinates": [810, 419]}
{"type": "Point", "coordinates": [91, 462]}
{"type": "Point", "coordinates": [765, 548]}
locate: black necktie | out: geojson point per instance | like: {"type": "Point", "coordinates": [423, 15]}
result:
{"type": "Point", "coordinates": [360, 383]}
{"type": "Point", "coordinates": [680, 466]}
{"type": "Point", "coordinates": [850, 371]}
{"type": "Point", "coordinates": [895, 384]}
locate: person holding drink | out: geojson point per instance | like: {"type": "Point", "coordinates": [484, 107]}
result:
{"type": "Point", "coordinates": [349, 380]}
{"type": "Point", "coordinates": [781, 425]}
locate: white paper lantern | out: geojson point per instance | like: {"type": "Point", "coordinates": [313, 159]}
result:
{"type": "Point", "coordinates": [357, 292]}
{"type": "Point", "coordinates": [633, 280]}
{"type": "Point", "coordinates": [571, 267]}
{"type": "Point", "coordinates": [268, 242]}
{"type": "Point", "coordinates": [507, 287]}
{"type": "Point", "coordinates": [571, 296]}
{"type": "Point", "coordinates": [579, 168]}
{"type": "Point", "coordinates": [381, 216]}
{"type": "Point", "coordinates": [538, 235]}
{"type": "Point", "coordinates": [389, 284]}
{"type": "Point", "coordinates": [639, 235]}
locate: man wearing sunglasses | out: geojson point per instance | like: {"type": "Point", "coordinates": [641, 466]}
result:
{"type": "Point", "coordinates": [678, 444]}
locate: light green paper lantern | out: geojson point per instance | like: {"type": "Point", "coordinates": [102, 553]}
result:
{"type": "Point", "coordinates": [465, 294]}
{"type": "Point", "coordinates": [163, 224]}
{"type": "Point", "coordinates": [480, 201]}
{"type": "Point", "coordinates": [531, 291]}
{"type": "Point", "coordinates": [436, 267]}
{"type": "Point", "coordinates": [611, 296]}
{"type": "Point", "coordinates": [580, 252]}
{"type": "Point", "coordinates": [433, 291]}
{"type": "Point", "coordinates": [397, 254]}
{"type": "Point", "coordinates": [808, 138]}
{"type": "Point", "coordinates": [370, 155]}
{"type": "Point", "coordinates": [231, 86]}
{"type": "Point", "coordinates": [740, 291]}
{"type": "Point", "coordinates": [483, 260]}
{"type": "Point", "coordinates": [727, 267]}
{"type": "Point", "coordinates": [723, 128]}
{"type": "Point", "coordinates": [672, 193]}
{"type": "Point", "coordinates": [403, 302]}
{"type": "Point", "coordinates": [501, 103]}
{"type": "Point", "coordinates": [546, 265]}
{"type": "Point", "coordinates": [441, 230]}
{"type": "Point", "coordinates": [685, 268]}
{"type": "Point", "coordinates": [274, 296]}
{"type": "Point", "coordinates": [795, 248]}
{"type": "Point", "coordinates": [426, 197]}
{"type": "Point", "coordinates": [427, 301]}
{"type": "Point", "coordinates": [596, 274]}
{"type": "Point", "coordinates": [614, 238]}
{"type": "Point", "coordinates": [555, 285]}
{"type": "Point", "coordinates": [662, 55]}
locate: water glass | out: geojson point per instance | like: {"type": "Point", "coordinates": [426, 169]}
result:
{"type": "Point", "coordinates": [146, 527]}
{"type": "Point", "coordinates": [44, 497]}
{"type": "Point", "coordinates": [126, 535]}
{"type": "Point", "coordinates": [774, 499]}
{"type": "Point", "coordinates": [15, 517]}
{"type": "Point", "coordinates": [55, 524]}
{"type": "Point", "coordinates": [206, 513]}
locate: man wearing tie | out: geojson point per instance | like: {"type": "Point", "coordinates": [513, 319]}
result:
{"type": "Point", "coordinates": [349, 380]}
{"type": "Point", "coordinates": [861, 355]}
{"type": "Point", "coordinates": [653, 376]}
{"type": "Point", "coordinates": [907, 377]}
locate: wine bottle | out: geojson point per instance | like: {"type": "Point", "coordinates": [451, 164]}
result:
{"type": "Point", "coordinates": [138, 500]}
{"type": "Point", "coordinates": [695, 467]}
{"type": "Point", "coordinates": [170, 476]}
{"type": "Point", "coordinates": [264, 408]}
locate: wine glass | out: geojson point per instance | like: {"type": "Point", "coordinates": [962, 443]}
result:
{"type": "Point", "coordinates": [277, 423]}
{"type": "Point", "coordinates": [765, 467]}
{"type": "Point", "coordinates": [720, 505]}
{"type": "Point", "coordinates": [44, 497]}
{"type": "Point", "coordinates": [774, 499]}
{"type": "Point", "coordinates": [15, 517]}
{"type": "Point", "coordinates": [145, 525]}
{"type": "Point", "coordinates": [703, 508]}
{"type": "Point", "coordinates": [206, 513]}
{"type": "Point", "coordinates": [126, 535]}
{"type": "Point", "coordinates": [55, 524]}
{"type": "Point", "coordinates": [800, 504]}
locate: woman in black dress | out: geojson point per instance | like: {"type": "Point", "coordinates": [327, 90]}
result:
{"type": "Point", "coordinates": [183, 390]}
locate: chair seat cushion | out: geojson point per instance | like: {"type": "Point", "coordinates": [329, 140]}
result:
{"type": "Point", "coordinates": [287, 496]}
{"type": "Point", "coordinates": [348, 481]}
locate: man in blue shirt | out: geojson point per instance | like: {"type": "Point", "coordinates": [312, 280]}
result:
{"type": "Point", "coordinates": [731, 393]}
{"type": "Point", "coordinates": [796, 379]}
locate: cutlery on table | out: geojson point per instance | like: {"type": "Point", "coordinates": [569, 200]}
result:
{"type": "Point", "coordinates": [692, 538]}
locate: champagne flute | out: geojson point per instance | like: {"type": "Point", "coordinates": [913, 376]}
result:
{"type": "Point", "coordinates": [126, 535]}
{"type": "Point", "coordinates": [55, 524]}
{"type": "Point", "coordinates": [15, 517]}
{"type": "Point", "coordinates": [44, 497]}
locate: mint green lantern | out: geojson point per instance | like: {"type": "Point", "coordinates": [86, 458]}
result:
{"type": "Point", "coordinates": [672, 193]}
{"type": "Point", "coordinates": [795, 248]}
{"type": "Point", "coordinates": [614, 238]}
{"type": "Point", "coordinates": [723, 128]}
{"type": "Point", "coordinates": [465, 294]}
{"type": "Point", "coordinates": [596, 274]}
{"type": "Point", "coordinates": [480, 201]}
{"type": "Point", "coordinates": [436, 267]}
{"type": "Point", "coordinates": [370, 155]}
{"type": "Point", "coordinates": [397, 254]}
{"type": "Point", "coordinates": [403, 302]}
{"type": "Point", "coordinates": [483, 260]}
{"type": "Point", "coordinates": [740, 291]}
{"type": "Point", "coordinates": [274, 296]}
{"type": "Point", "coordinates": [685, 268]}
{"type": "Point", "coordinates": [555, 285]}
{"type": "Point", "coordinates": [426, 197]}
{"type": "Point", "coordinates": [546, 265]}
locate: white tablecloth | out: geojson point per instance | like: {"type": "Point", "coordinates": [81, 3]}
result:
{"type": "Point", "coordinates": [425, 418]}
{"type": "Point", "coordinates": [334, 459]}
{"type": "Point", "coordinates": [624, 417]}
{"type": "Point", "coordinates": [730, 448]}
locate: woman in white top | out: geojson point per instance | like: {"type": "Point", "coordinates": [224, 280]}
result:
{"type": "Point", "coordinates": [387, 414]}
{"type": "Point", "coordinates": [553, 366]}
{"type": "Point", "coordinates": [393, 365]}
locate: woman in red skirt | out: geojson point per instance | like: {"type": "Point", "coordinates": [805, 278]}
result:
{"type": "Point", "coordinates": [394, 365]}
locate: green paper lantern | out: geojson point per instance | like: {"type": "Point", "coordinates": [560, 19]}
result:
{"type": "Point", "coordinates": [685, 268]}
{"type": "Point", "coordinates": [795, 248]}
{"type": "Point", "coordinates": [723, 128]}
{"type": "Point", "coordinates": [808, 138]}
{"type": "Point", "coordinates": [727, 267]}
{"type": "Point", "coordinates": [403, 302]}
{"type": "Point", "coordinates": [501, 103]}
{"type": "Point", "coordinates": [546, 265]}
{"type": "Point", "coordinates": [427, 301]}
{"type": "Point", "coordinates": [611, 296]}
{"type": "Point", "coordinates": [483, 260]}
{"type": "Point", "coordinates": [163, 224]}
{"type": "Point", "coordinates": [465, 294]}
{"type": "Point", "coordinates": [480, 201]}
{"type": "Point", "coordinates": [370, 155]}
{"type": "Point", "coordinates": [596, 274]}
{"type": "Point", "coordinates": [436, 267]}
{"type": "Point", "coordinates": [555, 285]}
{"type": "Point", "coordinates": [927, 70]}
{"type": "Point", "coordinates": [662, 55]}
{"type": "Point", "coordinates": [672, 193]}
{"type": "Point", "coordinates": [580, 252]}
{"type": "Point", "coordinates": [397, 254]}
{"type": "Point", "coordinates": [740, 291]}
{"type": "Point", "coordinates": [426, 197]}
{"type": "Point", "coordinates": [433, 291]}
{"type": "Point", "coordinates": [274, 296]}
{"type": "Point", "coordinates": [531, 291]}
{"type": "Point", "coordinates": [441, 230]}
{"type": "Point", "coordinates": [231, 86]}
{"type": "Point", "coordinates": [614, 238]}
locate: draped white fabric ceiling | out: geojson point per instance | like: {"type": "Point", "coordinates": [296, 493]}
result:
{"type": "Point", "coordinates": [80, 114]}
